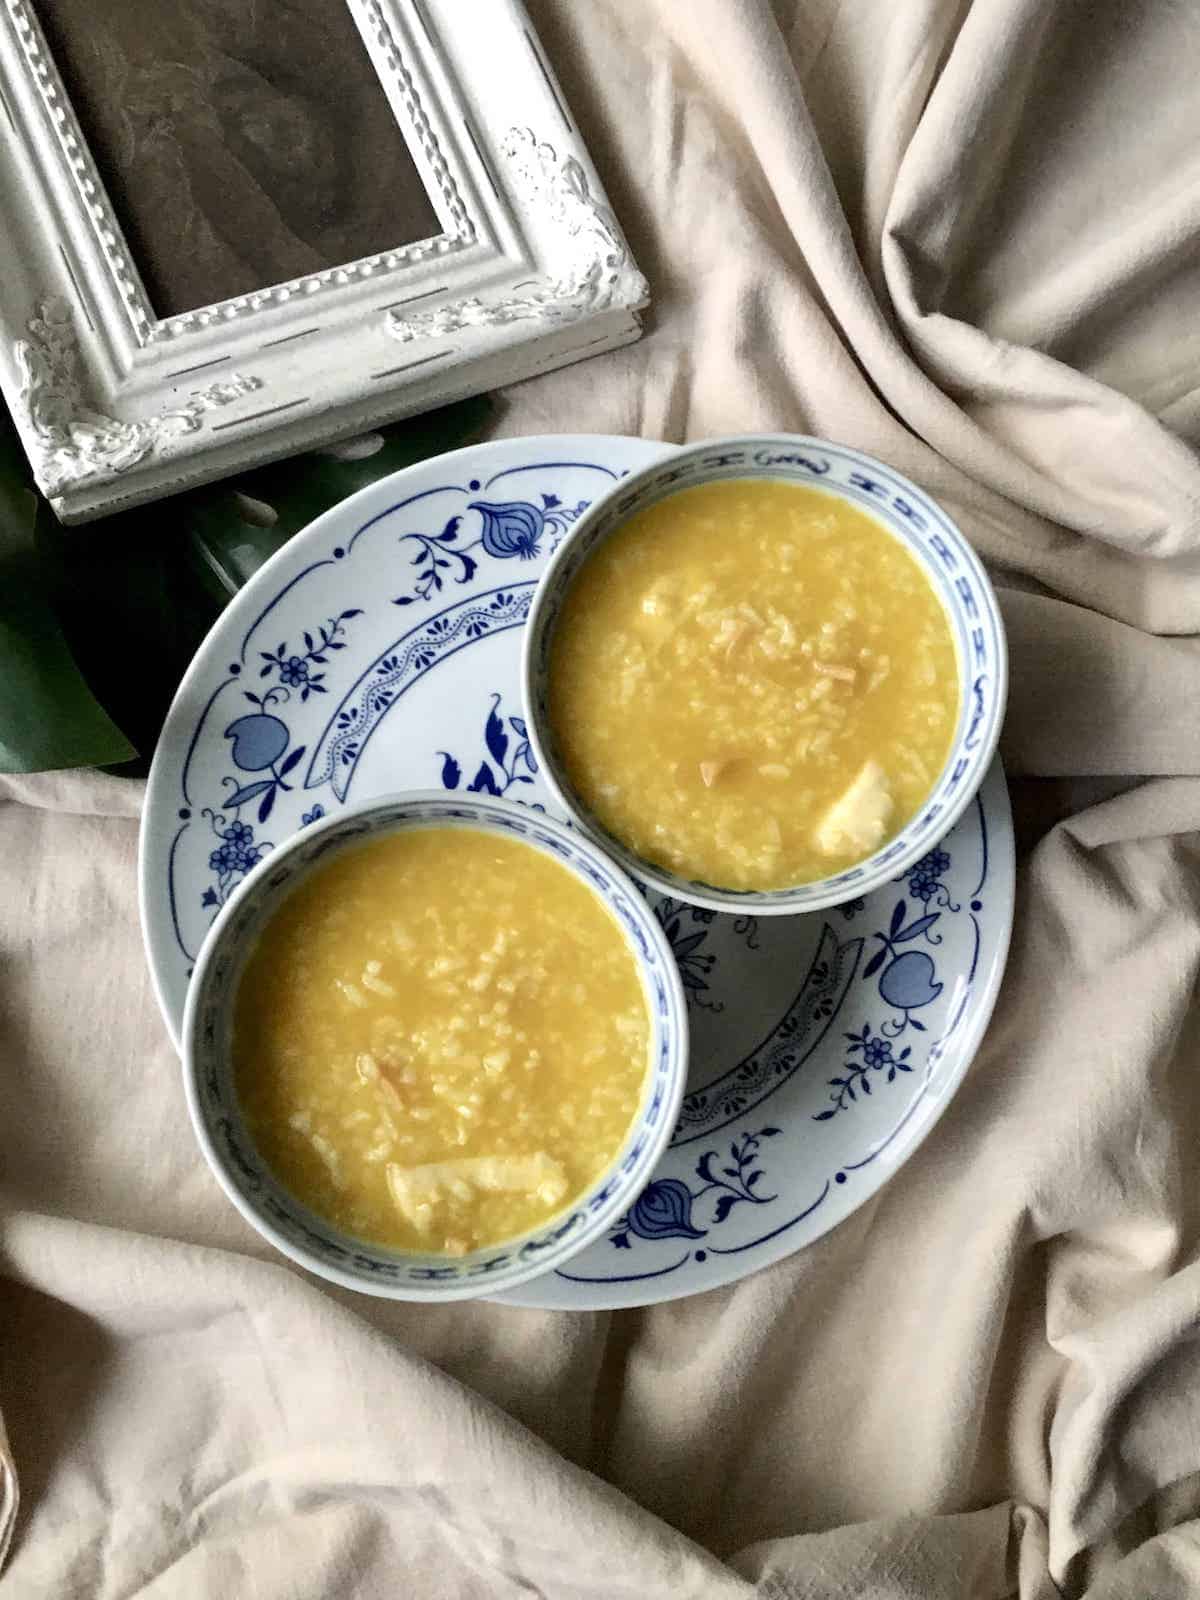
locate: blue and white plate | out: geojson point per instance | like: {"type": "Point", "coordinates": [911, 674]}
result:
{"type": "Point", "coordinates": [380, 650]}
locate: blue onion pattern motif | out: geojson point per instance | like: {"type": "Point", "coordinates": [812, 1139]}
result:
{"type": "Point", "coordinates": [513, 528]}
{"type": "Point", "coordinates": [663, 1210]}
{"type": "Point", "coordinates": [666, 1207]}
{"type": "Point", "coordinates": [508, 530]}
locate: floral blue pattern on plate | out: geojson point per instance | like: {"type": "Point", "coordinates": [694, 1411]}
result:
{"type": "Point", "coordinates": [823, 1047]}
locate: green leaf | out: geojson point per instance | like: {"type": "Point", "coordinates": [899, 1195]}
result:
{"type": "Point", "coordinates": [48, 716]}
{"type": "Point", "coordinates": [137, 593]}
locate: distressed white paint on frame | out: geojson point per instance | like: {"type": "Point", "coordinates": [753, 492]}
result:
{"type": "Point", "coordinates": [595, 270]}
{"type": "Point", "coordinates": [117, 406]}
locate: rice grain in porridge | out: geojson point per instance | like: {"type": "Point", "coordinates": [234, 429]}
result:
{"type": "Point", "coordinates": [753, 684]}
{"type": "Point", "coordinates": [440, 1040]}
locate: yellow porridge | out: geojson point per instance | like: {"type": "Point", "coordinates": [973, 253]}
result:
{"type": "Point", "coordinates": [752, 683]}
{"type": "Point", "coordinates": [440, 1040]}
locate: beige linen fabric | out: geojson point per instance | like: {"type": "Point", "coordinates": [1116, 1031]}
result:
{"type": "Point", "coordinates": [962, 236]}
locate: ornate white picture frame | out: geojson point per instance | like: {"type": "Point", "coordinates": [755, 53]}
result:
{"type": "Point", "coordinates": [116, 405]}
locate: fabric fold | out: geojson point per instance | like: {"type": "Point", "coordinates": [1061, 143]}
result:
{"type": "Point", "coordinates": [10, 1495]}
{"type": "Point", "coordinates": [959, 236]}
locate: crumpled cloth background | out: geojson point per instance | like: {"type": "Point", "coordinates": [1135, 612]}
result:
{"type": "Point", "coordinates": [961, 236]}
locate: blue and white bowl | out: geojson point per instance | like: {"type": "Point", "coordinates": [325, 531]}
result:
{"type": "Point", "coordinates": [304, 1235]}
{"type": "Point", "coordinates": [911, 517]}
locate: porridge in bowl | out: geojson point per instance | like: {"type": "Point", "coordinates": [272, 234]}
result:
{"type": "Point", "coordinates": [752, 684]}
{"type": "Point", "coordinates": [440, 1040]}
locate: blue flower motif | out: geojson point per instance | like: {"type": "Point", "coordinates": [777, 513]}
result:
{"type": "Point", "coordinates": [510, 528]}
{"type": "Point", "coordinates": [293, 671]}
{"type": "Point", "coordinates": [874, 1054]}
{"type": "Point", "coordinates": [922, 885]}
{"type": "Point", "coordinates": [296, 670]}
{"type": "Point", "coordinates": [877, 1052]}
{"type": "Point", "coordinates": [936, 863]}
{"type": "Point", "coordinates": [663, 1210]}
{"type": "Point", "coordinates": [236, 852]}
{"type": "Point", "coordinates": [314, 815]}
{"type": "Point", "coordinates": [852, 908]}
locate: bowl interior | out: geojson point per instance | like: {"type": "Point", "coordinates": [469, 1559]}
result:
{"type": "Point", "coordinates": [308, 1237]}
{"type": "Point", "coordinates": [910, 516]}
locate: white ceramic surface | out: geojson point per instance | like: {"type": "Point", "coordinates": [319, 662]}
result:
{"type": "Point", "coordinates": [393, 682]}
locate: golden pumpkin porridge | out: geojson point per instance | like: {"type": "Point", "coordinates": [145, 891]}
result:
{"type": "Point", "coordinates": [753, 684]}
{"type": "Point", "coordinates": [440, 1040]}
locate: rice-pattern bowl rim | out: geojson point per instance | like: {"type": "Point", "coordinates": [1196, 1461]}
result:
{"type": "Point", "coordinates": [301, 1233]}
{"type": "Point", "coordinates": [944, 556]}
